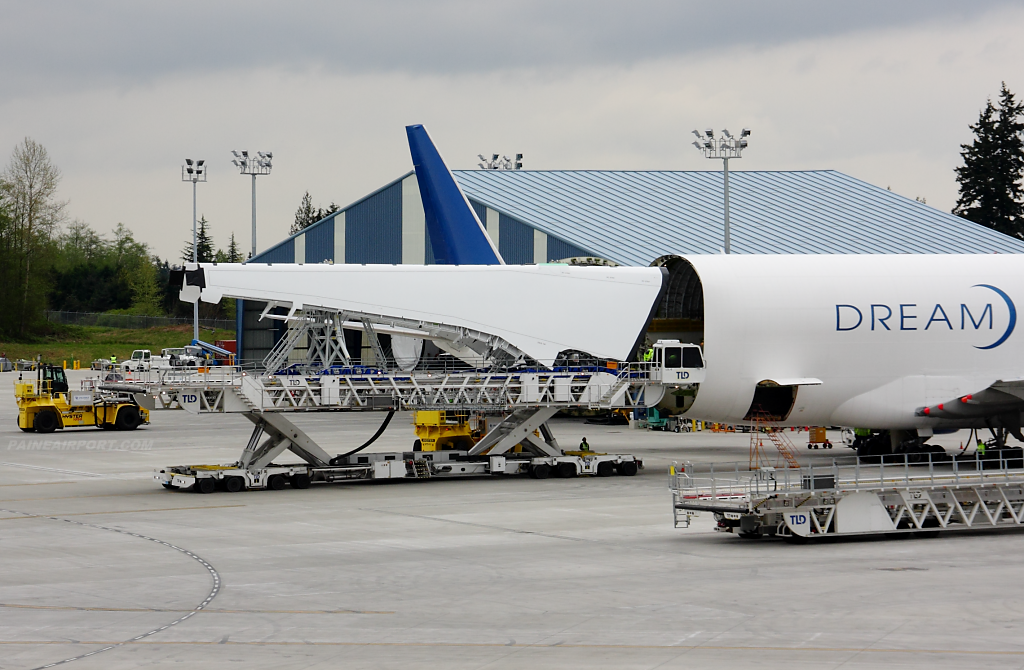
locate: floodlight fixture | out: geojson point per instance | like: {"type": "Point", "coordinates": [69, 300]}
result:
{"type": "Point", "coordinates": [724, 147]}
{"type": "Point", "coordinates": [500, 162]}
{"type": "Point", "coordinates": [697, 133]}
{"type": "Point", "coordinates": [195, 175]}
{"type": "Point", "coordinates": [254, 167]}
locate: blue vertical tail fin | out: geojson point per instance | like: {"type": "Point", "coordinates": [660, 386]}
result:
{"type": "Point", "coordinates": [456, 234]}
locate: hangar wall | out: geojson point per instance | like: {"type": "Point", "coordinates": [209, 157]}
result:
{"type": "Point", "coordinates": [387, 226]}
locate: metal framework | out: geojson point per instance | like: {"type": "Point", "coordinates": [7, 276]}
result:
{"type": "Point", "coordinates": [232, 389]}
{"type": "Point", "coordinates": [853, 497]}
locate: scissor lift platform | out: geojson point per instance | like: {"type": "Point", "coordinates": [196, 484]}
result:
{"type": "Point", "coordinates": [851, 497]}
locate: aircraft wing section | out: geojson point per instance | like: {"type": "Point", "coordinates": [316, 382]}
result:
{"type": "Point", "coordinates": [532, 310]}
{"type": "Point", "coordinates": [1002, 401]}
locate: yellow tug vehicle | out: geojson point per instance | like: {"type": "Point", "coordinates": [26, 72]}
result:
{"type": "Point", "coordinates": [45, 404]}
{"type": "Point", "coordinates": [441, 430]}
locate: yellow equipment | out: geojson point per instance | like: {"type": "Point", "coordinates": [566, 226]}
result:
{"type": "Point", "coordinates": [46, 404]}
{"type": "Point", "coordinates": [438, 430]}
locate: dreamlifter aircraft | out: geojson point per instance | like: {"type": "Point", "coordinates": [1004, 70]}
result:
{"type": "Point", "coordinates": [905, 344]}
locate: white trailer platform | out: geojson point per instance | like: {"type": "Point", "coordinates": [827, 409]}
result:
{"type": "Point", "coordinates": [520, 444]}
{"type": "Point", "coordinates": [852, 497]}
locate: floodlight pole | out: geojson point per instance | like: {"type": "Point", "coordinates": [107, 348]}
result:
{"type": "Point", "coordinates": [195, 172]}
{"type": "Point", "coordinates": [259, 165]}
{"type": "Point", "coordinates": [725, 174]}
{"type": "Point", "coordinates": [724, 147]}
{"type": "Point", "coordinates": [253, 252]}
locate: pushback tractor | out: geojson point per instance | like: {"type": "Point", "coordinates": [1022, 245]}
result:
{"type": "Point", "coordinates": [45, 404]}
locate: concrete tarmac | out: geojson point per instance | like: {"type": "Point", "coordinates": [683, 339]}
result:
{"type": "Point", "coordinates": [98, 559]}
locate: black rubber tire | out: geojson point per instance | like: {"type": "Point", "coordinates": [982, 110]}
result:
{"type": "Point", "coordinates": [128, 418]}
{"type": "Point", "coordinates": [417, 445]}
{"type": "Point", "coordinates": [300, 481]}
{"type": "Point", "coordinates": [605, 469]}
{"type": "Point", "coordinates": [45, 421]}
{"type": "Point", "coordinates": [566, 470]}
{"type": "Point", "coordinates": [542, 471]}
{"type": "Point", "coordinates": [205, 485]}
{"type": "Point", "coordinates": [627, 468]}
{"type": "Point", "coordinates": [234, 484]}
{"type": "Point", "coordinates": [276, 482]}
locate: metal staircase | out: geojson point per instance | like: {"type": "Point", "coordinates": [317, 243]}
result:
{"type": "Point", "coordinates": [765, 425]}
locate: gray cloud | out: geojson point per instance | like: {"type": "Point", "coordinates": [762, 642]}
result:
{"type": "Point", "coordinates": [77, 44]}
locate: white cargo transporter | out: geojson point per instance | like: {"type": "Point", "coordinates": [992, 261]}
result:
{"type": "Point", "coordinates": [560, 309]}
{"type": "Point", "coordinates": [853, 496]}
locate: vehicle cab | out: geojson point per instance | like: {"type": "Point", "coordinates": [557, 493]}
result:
{"type": "Point", "coordinates": [139, 362]}
{"type": "Point", "coordinates": [673, 362]}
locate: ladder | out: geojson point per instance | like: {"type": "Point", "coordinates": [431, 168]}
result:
{"type": "Point", "coordinates": [765, 425]}
{"type": "Point", "coordinates": [421, 469]}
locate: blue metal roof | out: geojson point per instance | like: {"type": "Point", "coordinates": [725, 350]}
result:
{"type": "Point", "coordinates": [635, 217]}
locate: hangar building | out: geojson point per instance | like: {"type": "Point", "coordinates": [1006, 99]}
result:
{"type": "Point", "coordinates": [632, 218]}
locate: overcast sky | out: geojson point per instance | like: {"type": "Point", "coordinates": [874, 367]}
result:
{"type": "Point", "coordinates": [121, 93]}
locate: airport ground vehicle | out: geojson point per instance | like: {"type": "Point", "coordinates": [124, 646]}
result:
{"type": "Point", "coordinates": [519, 443]}
{"type": "Point", "coordinates": [853, 496]}
{"type": "Point", "coordinates": [441, 430]}
{"type": "Point", "coordinates": [45, 404]}
{"type": "Point", "coordinates": [141, 361]}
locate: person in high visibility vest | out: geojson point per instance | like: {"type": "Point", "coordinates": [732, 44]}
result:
{"type": "Point", "coordinates": [648, 355]}
{"type": "Point", "coordinates": [981, 448]}
{"type": "Point", "coordinates": [113, 359]}
{"type": "Point", "coordinates": [584, 446]}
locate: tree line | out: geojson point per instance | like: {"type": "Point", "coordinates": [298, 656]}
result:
{"type": "Point", "coordinates": [49, 262]}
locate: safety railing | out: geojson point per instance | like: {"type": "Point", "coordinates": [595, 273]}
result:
{"type": "Point", "coordinates": [715, 481]}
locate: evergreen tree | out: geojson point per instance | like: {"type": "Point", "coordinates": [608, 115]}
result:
{"type": "Point", "coordinates": [306, 215]}
{"type": "Point", "coordinates": [990, 179]}
{"type": "Point", "coordinates": [205, 251]}
{"type": "Point", "coordinates": [234, 253]}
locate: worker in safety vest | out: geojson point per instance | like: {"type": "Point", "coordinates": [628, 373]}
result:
{"type": "Point", "coordinates": [648, 355]}
{"type": "Point", "coordinates": [584, 446]}
{"type": "Point", "coordinates": [113, 359]}
{"type": "Point", "coordinates": [981, 448]}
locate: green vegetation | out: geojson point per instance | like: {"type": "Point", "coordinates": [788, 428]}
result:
{"type": "Point", "coordinates": [47, 262]}
{"type": "Point", "coordinates": [86, 343]}
{"type": "Point", "coordinates": [990, 179]}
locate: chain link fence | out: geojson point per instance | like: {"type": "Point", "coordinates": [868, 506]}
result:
{"type": "Point", "coordinates": [131, 321]}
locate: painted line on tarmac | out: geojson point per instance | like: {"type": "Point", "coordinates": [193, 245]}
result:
{"type": "Point", "coordinates": [502, 529]}
{"type": "Point", "coordinates": [57, 470]}
{"type": "Point", "coordinates": [214, 575]}
{"type": "Point", "coordinates": [505, 645]}
{"type": "Point", "coordinates": [205, 611]}
{"type": "Point", "coordinates": [26, 515]}
{"type": "Point", "coordinates": [37, 484]}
